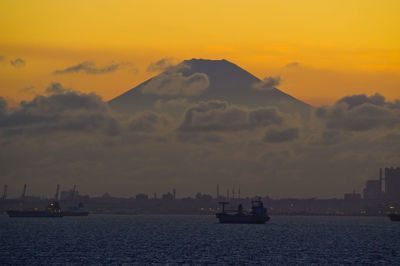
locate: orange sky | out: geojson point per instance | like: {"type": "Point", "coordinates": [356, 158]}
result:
{"type": "Point", "coordinates": [342, 47]}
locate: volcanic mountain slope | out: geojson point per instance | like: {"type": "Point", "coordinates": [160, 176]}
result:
{"type": "Point", "coordinates": [199, 80]}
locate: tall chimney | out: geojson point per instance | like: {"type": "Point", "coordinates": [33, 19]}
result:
{"type": "Point", "coordinates": [5, 192]}
{"type": "Point", "coordinates": [23, 192]}
{"type": "Point", "coordinates": [57, 192]}
{"type": "Point", "coordinates": [73, 192]}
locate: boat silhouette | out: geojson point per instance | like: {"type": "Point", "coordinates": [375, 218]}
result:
{"type": "Point", "coordinates": [257, 215]}
{"type": "Point", "coordinates": [394, 217]}
{"type": "Point", "coordinates": [52, 210]}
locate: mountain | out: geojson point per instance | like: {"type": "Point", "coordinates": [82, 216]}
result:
{"type": "Point", "coordinates": [198, 80]}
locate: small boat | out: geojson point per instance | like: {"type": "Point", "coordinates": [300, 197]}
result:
{"type": "Point", "coordinates": [394, 217]}
{"type": "Point", "coordinates": [52, 210]}
{"type": "Point", "coordinates": [258, 214]}
{"type": "Point", "coordinates": [76, 211]}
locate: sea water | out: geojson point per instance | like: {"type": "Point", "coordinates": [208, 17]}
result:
{"type": "Point", "coordinates": [142, 240]}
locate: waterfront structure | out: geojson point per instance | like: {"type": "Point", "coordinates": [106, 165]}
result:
{"type": "Point", "coordinates": [5, 192]}
{"type": "Point", "coordinates": [392, 183]}
{"type": "Point", "coordinates": [372, 190]}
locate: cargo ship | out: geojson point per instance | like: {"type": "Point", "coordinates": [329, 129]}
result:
{"type": "Point", "coordinates": [394, 217]}
{"type": "Point", "coordinates": [76, 211]}
{"type": "Point", "coordinates": [52, 210]}
{"type": "Point", "coordinates": [257, 215]}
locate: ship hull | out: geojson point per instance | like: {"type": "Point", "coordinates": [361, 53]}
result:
{"type": "Point", "coordinates": [394, 217]}
{"type": "Point", "coordinates": [241, 219]}
{"type": "Point", "coordinates": [39, 214]}
{"type": "Point", "coordinates": [76, 213]}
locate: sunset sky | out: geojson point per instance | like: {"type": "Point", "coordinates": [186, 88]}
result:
{"type": "Point", "coordinates": [322, 50]}
{"type": "Point", "coordinates": [206, 121]}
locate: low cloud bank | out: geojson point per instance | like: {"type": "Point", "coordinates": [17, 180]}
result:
{"type": "Point", "coordinates": [220, 116]}
{"type": "Point", "coordinates": [71, 137]}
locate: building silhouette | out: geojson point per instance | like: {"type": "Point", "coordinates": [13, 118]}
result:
{"type": "Point", "coordinates": [392, 183]}
{"type": "Point", "coordinates": [373, 190]}
{"type": "Point", "coordinates": [352, 196]}
{"type": "Point", "coordinates": [142, 196]}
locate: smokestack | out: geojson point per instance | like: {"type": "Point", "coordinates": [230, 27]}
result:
{"type": "Point", "coordinates": [174, 192]}
{"type": "Point", "coordinates": [73, 192]}
{"type": "Point", "coordinates": [233, 192]}
{"type": "Point", "coordinates": [227, 194]}
{"type": "Point", "coordinates": [5, 192]}
{"type": "Point", "coordinates": [57, 192]}
{"type": "Point", "coordinates": [23, 192]}
{"type": "Point", "coordinates": [239, 193]}
{"type": "Point", "coordinates": [217, 191]}
{"type": "Point", "coordinates": [380, 179]}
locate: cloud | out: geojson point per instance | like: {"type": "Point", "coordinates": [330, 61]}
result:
{"type": "Point", "coordinates": [56, 88]}
{"type": "Point", "coordinates": [89, 68]}
{"type": "Point", "coordinates": [265, 117]}
{"type": "Point", "coordinates": [3, 107]}
{"type": "Point", "coordinates": [293, 64]}
{"type": "Point", "coordinates": [331, 137]}
{"type": "Point", "coordinates": [2, 58]}
{"type": "Point", "coordinates": [360, 113]}
{"type": "Point", "coordinates": [175, 83]}
{"type": "Point", "coordinates": [284, 135]}
{"type": "Point", "coordinates": [220, 116]}
{"type": "Point", "coordinates": [62, 111]}
{"type": "Point", "coordinates": [68, 137]}
{"type": "Point", "coordinates": [29, 89]}
{"type": "Point", "coordinates": [174, 103]}
{"type": "Point", "coordinates": [198, 138]}
{"type": "Point", "coordinates": [161, 65]}
{"type": "Point", "coordinates": [268, 83]}
{"type": "Point", "coordinates": [18, 63]}
{"type": "Point", "coordinates": [356, 100]}
{"type": "Point", "coordinates": [147, 122]}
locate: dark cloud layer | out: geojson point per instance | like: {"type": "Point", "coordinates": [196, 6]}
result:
{"type": "Point", "coordinates": [220, 116]}
{"type": "Point", "coordinates": [63, 111]}
{"type": "Point", "coordinates": [360, 113]}
{"type": "Point", "coordinates": [356, 100]}
{"type": "Point", "coordinates": [89, 68]}
{"type": "Point", "coordinates": [18, 63]}
{"type": "Point", "coordinates": [283, 135]}
{"type": "Point", "coordinates": [147, 122]}
{"type": "Point", "coordinates": [3, 107]}
{"type": "Point", "coordinates": [70, 137]}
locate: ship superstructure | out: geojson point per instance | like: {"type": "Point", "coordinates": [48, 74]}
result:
{"type": "Point", "coordinates": [257, 215]}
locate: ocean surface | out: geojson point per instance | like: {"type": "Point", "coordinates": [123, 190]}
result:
{"type": "Point", "coordinates": [196, 240]}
